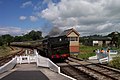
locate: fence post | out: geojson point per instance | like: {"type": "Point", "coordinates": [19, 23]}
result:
{"type": "Point", "coordinates": [20, 60]}
{"type": "Point", "coordinates": [28, 58]}
{"type": "Point", "coordinates": [36, 53]}
{"type": "Point", "coordinates": [108, 57]}
{"type": "Point", "coordinates": [26, 52]}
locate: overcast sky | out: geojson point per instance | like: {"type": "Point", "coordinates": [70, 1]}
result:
{"type": "Point", "coordinates": [88, 17]}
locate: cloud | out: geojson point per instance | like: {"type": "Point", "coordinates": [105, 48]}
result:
{"type": "Point", "coordinates": [15, 31]}
{"type": "Point", "coordinates": [26, 4]}
{"type": "Point", "coordinates": [50, 13]}
{"type": "Point", "coordinates": [10, 30]}
{"type": "Point", "coordinates": [33, 18]}
{"type": "Point", "coordinates": [41, 4]}
{"type": "Point", "coordinates": [22, 17]}
{"type": "Point", "coordinates": [86, 16]}
{"type": "Point", "coordinates": [38, 6]}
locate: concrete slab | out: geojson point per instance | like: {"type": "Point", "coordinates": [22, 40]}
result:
{"type": "Point", "coordinates": [62, 64]}
{"type": "Point", "coordinates": [53, 75]}
{"type": "Point", "coordinates": [26, 67]}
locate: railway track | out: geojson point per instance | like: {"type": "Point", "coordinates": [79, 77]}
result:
{"type": "Point", "coordinates": [74, 72]}
{"type": "Point", "coordinates": [9, 57]}
{"type": "Point", "coordinates": [98, 71]}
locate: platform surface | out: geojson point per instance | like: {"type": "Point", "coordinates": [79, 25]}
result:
{"type": "Point", "coordinates": [25, 75]}
{"type": "Point", "coordinates": [31, 72]}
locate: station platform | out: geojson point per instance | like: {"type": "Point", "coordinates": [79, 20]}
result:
{"type": "Point", "coordinates": [31, 72]}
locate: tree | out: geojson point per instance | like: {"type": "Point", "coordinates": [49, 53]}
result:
{"type": "Point", "coordinates": [35, 35]}
{"type": "Point", "coordinates": [1, 41]}
{"type": "Point", "coordinates": [47, 36]}
{"type": "Point", "coordinates": [18, 38]}
{"type": "Point", "coordinates": [32, 35]}
{"type": "Point", "coordinates": [7, 38]}
{"type": "Point", "coordinates": [115, 38]}
{"type": "Point", "coordinates": [118, 42]}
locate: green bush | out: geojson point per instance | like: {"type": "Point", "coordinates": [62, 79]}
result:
{"type": "Point", "coordinates": [115, 62]}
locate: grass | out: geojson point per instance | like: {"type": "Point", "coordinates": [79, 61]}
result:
{"type": "Point", "coordinates": [87, 51]}
{"type": "Point", "coordinates": [115, 62]}
{"type": "Point", "coordinates": [5, 50]}
{"type": "Point", "coordinates": [86, 55]}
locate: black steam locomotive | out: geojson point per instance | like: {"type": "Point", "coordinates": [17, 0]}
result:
{"type": "Point", "coordinates": [56, 47]}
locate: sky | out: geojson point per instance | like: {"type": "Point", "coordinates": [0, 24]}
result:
{"type": "Point", "coordinates": [88, 17]}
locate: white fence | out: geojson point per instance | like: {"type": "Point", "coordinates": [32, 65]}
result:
{"type": "Point", "coordinates": [9, 65]}
{"type": "Point", "coordinates": [106, 59]}
{"type": "Point", "coordinates": [104, 56]}
{"type": "Point", "coordinates": [53, 66]}
{"type": "Point", "coordinates": [42, 61]}
{"type": "Point", "coordinates": [45, 62]}
{"type": "Point", "coordinates": [26, 59]}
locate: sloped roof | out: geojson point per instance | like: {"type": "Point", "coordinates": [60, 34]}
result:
{"type": "Point", "coordinates": [101, 38]}
{"type": "Point", "coordinates": [68, 31]}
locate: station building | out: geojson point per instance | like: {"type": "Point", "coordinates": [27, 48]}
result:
{"type": "Point", "coordinates": [73, 37]}
{"type": "Point", "coordinates": [98, 41]}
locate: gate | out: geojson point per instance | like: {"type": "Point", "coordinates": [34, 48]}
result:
{"type": "Point", "coordinates": [27, 58]}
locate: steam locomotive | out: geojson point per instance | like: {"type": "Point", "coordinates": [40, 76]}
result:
{"type": "Point", "coordinates": [55, 48]}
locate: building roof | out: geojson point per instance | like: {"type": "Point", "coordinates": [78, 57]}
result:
{"type": "Point", "coordinates": [101, 38]}
{"type": "Point", "coordinates": [68, 31]}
